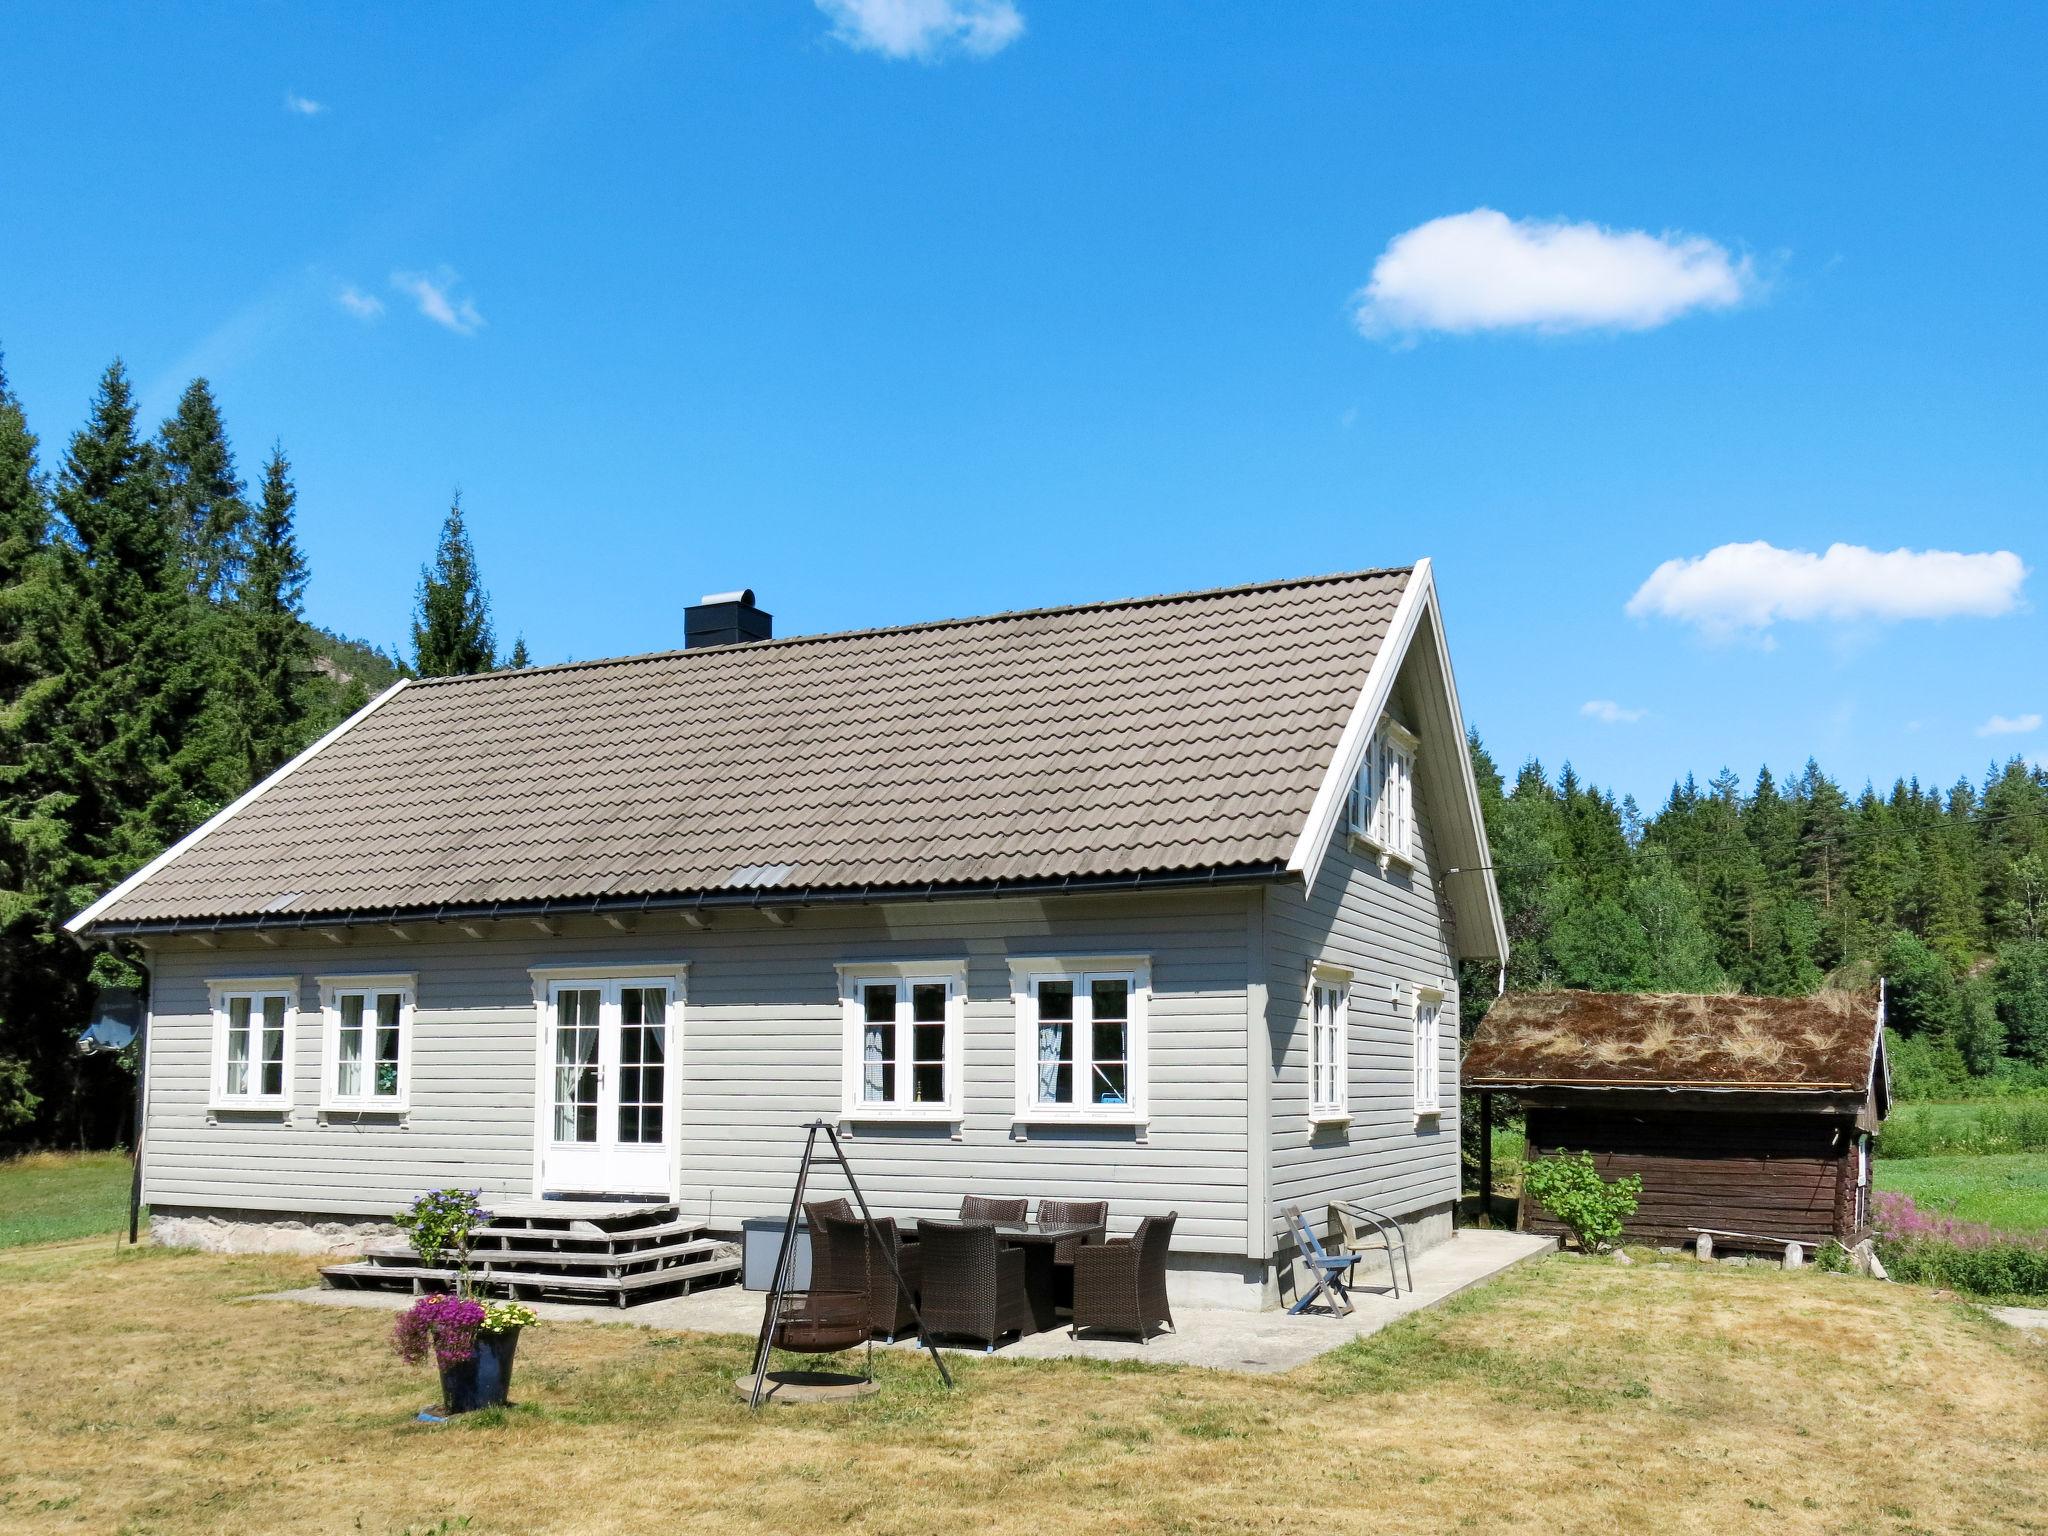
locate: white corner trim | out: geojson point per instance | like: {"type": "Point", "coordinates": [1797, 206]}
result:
{"type": "Point", "coordinates": [91, 914]}
{"type": "Point", "coordinates": [1314, 842]}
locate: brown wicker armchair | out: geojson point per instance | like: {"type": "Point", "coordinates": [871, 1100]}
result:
{"type": "Point", "coordinates": [1120, 1285]}
{"type": "Point", "coordinates": [970, 1285]}
{"type": "Point", "coordinates": [858, 1261]}
{"type": "Point", "coordinates": [1094, 1213]}
{"type": "Point", "coordinates": [815, 1212]}
{"type": "Point", "coordinates": [988, 1208]}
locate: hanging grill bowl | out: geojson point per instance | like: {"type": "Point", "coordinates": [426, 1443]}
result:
{"type": "Point", "coordinates": [822, 1322]}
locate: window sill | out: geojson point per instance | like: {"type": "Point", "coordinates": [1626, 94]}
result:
{"type": "Point", "coordinates": [1058, 1116]}
{"type": "Point", "coordinates": [1381, 852]}
{"type": "Point", "coordinates": [1436, 1114]}
{"type": "Point", "coordinates": [1324, 1119]}
{"type": "Point", "coordinates": [249, 1107]}
{"type": "Point", "coordinates": [382, 1108]}
{"type": "Point", "coordinates": [872, 1114]}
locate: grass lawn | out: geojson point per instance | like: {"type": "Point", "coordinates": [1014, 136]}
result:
{"type": "Point", "coordinates": [1570, 1395]}
{"type": "Point", "coordinates": [2008, 1191]}
{"type": "Point", "coordinates": [50, 1195]}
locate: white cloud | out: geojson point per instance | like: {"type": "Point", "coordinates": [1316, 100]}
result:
{"type": "Point", "coordinates": [1749, 587]}
{"type": "Point", "coordinates": [435, 295]}
{"type": "Point", "coordinates": [305, 106]}
{"type": "Point", "coordinates": [364, 306]}
{"type": "Point", "coordinates": [2009, 725]}
{"type": "Point", "coordinates": [1482, 271]}
{"type": "Point", "coordinates": [925, 29]}
{"type": "Point", "coordinates": [1607, 712]}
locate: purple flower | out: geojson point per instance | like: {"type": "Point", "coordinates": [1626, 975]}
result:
{"type": "Point", "coordinates": [1895, 1218]}
{"type": "Point", "coordinates": [446, 1325]}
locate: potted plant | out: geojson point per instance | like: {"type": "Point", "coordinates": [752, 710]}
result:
{"type": "Point", "coordinates": [472, 1343]}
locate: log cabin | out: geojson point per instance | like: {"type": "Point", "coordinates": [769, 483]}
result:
{"type": "Point", "coordinates": [1750, 1119]}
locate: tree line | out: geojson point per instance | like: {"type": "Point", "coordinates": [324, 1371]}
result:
{"type": "Point", "coordinates": [1781, 889]}
{"type": "Point", "coordinates": [155, 662]}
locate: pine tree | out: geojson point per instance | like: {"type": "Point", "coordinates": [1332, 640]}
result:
{"type": "Point", "coordinates": [275, 652]}
{"type": "Point", "coordinates": [519, 659]}
{"type": "Point", "coordinates": [451, 627]}
{"type": "Point", "coordinates": [206, 503]}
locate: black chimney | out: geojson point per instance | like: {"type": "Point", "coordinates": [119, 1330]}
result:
{"type": "Point", "coordinates": [726, 618]}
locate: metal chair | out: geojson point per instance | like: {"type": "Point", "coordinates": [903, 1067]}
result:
{"type": "Point", "coordinates": [1386, 1233]}
{"type": "Point", "coordinates": [1330, 1269]}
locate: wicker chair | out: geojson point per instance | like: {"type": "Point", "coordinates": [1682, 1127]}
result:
{"type": "Point", "coordinates": [859, 1262]}
{"type": "Point", "coordinates": [988, 1208]}
{"type": "Point", "coordinates": [1059, 1212]}
{"type": "Point", "coordinates": [1120, 1285]}
{"type": "Point", "coordinates": [815, 1212]}
{"type": "Point", "coordinates": [971, 1286]}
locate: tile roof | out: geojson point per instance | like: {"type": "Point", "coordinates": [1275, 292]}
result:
{"type": "Point", "coordinates": [1175, 733]}
{"type": "Point", "coordinates": [1824, 1043]}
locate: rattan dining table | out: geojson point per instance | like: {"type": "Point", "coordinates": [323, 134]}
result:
{"type": "Point", "coordinates": [1040, 1241]}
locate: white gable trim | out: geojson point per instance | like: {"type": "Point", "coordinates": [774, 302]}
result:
{"type": "Point", "coordinates": [1418, 602]}
{"type": "Point", "coordinates": [91, 914]}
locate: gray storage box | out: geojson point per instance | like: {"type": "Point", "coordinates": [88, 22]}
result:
{"type": "Point", "coordinates": [761, 1242]}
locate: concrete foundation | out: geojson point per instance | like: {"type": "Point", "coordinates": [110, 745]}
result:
{"type": "Point", "coordinates": [217, 1231]}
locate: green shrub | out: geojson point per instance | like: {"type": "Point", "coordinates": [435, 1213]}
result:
{"type": "Point", "coordinates": [1591, 1208]}
{"type": "Point", "coordinates": [1998, 1269]}
{"type": "Point", "coordinates": [1833, 1259]}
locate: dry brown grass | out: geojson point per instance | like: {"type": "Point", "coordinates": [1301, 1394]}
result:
{"type": "Point", "coordinates": [141, 1396]}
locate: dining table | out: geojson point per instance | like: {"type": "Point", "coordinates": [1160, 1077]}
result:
{"type": "Point", "coordinates": [1040, 1242]}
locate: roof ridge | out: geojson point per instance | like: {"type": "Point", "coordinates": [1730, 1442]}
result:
{"type": "Point", "coordinates": [1007, 615]}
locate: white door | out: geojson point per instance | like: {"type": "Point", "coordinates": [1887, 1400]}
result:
{"type": "Point", "coordinates": [608, 1114]}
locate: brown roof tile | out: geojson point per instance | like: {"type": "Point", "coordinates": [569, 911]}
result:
{"type": "Point", "coordinates": [1822, 1043]}
{"type": "Point", "coordinates": [1163, 734]}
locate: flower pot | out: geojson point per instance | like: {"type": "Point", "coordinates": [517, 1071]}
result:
{"type": "Point", "coordinates": [482, 1380]}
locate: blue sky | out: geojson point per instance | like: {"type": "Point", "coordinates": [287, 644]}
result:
{"type": "Point", "coordinates": [900, 309]}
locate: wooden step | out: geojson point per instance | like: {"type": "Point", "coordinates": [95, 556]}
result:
{"type": "Point", "coordinates": [526, 1239]}
{"type": "Point", "coordinates": [618, 1289]}
{"type": "Point", "coordinates": [548, 1261]}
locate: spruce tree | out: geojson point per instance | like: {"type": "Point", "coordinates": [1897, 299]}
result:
{"type": "Point", "coordinates": [206, 503]}
{"type": "Point", "coordinates": [451, 627]}
{"type": "Point", "coordinates": [519, 658]}
{"type": "Point", "coordinates": [274, 651]}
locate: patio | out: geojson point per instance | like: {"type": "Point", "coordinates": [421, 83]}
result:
{"type": "Point", "coordinates": [1221, 1339]}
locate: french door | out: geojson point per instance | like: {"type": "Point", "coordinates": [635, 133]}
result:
{"type": "Point", "coordinates": [609, 1085]}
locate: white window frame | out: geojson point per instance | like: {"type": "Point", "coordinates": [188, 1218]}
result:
{"type": "Point", "coordinates": [905, 974]}
{"type": "Point", "coordinates": [1136, 970]}
{"type": "Point", "coordinates": [1380, 812]}
{"type": "Point", "coordinates": [1427, 1033]}
{"type": "Point", "coordinates": [220, 994]}
{"type": "Point", "coordinates": [1329, 1045]}
{"type": "Point", "coordinates": [368, 987]}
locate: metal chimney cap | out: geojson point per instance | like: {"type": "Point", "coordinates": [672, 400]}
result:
{"type": "Point", "coordinates": [744, 595]}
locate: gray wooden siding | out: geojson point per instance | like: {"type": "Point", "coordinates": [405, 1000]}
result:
{"type": "Point", "coordinates": [1386, 929]}
{"type": "Point", "coordinates": [760, 1047]}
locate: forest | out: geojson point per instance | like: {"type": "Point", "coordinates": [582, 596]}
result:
{"type": "Point", "coordinates": [156, 661]}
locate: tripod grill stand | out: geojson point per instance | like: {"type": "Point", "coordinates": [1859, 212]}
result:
{"type": "Point", "coordinates": [779, 1292]}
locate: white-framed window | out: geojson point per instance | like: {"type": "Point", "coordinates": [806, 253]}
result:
{"type": "Point", "coordinates": [1329, 1031]}
{"type": "Point", "coordinates": [366, 1043]}
{"type": "Point", "coordinates": [1382, 805]}
{"type": "Point", "coordinates": [1082, 1046]}
{"type": "Point", "coordinates": [902, 1039]}
{"type": "Point", "coordinates": [1429, 1004]}
{"type": "Point", "coordinates": [254, 1022]}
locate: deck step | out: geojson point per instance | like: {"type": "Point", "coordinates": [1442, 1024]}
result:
{"type": "Point", "coordinates": [551, 1261]}
{"type": "Point", "coordinates": [526, 1239]}
{"type": "Point", "coordinates": [618, 1289]}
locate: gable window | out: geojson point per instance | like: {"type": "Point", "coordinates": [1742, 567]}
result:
{"type": "Point", "coordinates": [253, 1024]}
{"type": "Point", "coordinates": [901, 1046]}
{"type": "Point", "coordinates": [1328, 1044]}
{"type": "Point", "coordinates": [1382, 806]}
{"type": "Point", "coordinates": [366, 1029]}
{"type": "Point", "coordinates": [1428, 1051]}
{"type": "Point", "coordinates": [1081, 1038]}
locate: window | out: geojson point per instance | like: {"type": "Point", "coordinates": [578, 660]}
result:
{"type": "Point", "coordinates": [643, 1063]}
{"type": "Point", "coordinates": [367, 1027]}
{"type": "Point", "coordinates": [1081, 1046]}
{"type": "Point", "coordinates": [253, 1024]}
{"type": "Point", "coordinates": [1328, 1039]}
{"type": "Point", "coordinates": [902, 1040]}
{"type": "Point", "coordinates": [1382, 808]}
{"type": "Point", "coordinates": [1428, 1051]}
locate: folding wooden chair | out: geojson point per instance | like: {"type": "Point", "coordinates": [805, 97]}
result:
{"type": "Point", "coordinates": [1331, 1269]}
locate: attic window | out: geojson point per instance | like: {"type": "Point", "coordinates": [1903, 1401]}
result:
{"type": "Point", "coordinates": [1382, 806]}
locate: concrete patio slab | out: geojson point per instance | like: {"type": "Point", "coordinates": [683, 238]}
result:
{"type": "Point", "coordinates": [1261, 1342]}
{"type": "Point", "coordinates": [2033, 1319]}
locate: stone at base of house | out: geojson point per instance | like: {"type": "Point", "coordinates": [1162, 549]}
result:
{"type": "Point", "coordinates": [264, 1231]}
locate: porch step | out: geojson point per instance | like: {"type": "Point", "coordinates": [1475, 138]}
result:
{"type": "Point", "coordinates": [620, 1290]}
{"type": "Point", "coordinates": [585, 1250]}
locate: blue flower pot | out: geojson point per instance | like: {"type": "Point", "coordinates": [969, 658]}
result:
{"type": "Point", "coordinates": [482, 1380]}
